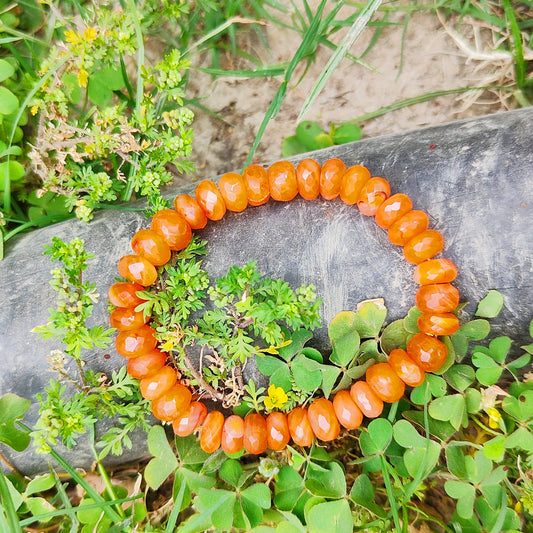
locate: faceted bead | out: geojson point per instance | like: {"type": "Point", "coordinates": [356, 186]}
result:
{"type": "Point", "coordinates": [363, 396]}
{"type": "Point", "coordinates": [282, 181]}
{"type": "Point", "coordinates": [406, 369]}
{"type": "Point", "coordinates": [210, 200]}
{"type": "Point", "coordinates": [300, 427]}
{"type": "Point", "coordinates": [385, 383]}
{"type": "Point", "coordinates": [374, 192]}
{"type": "Point", "coordinates": [172, 403]}
{"type": "Point", "coordinates": [147, 364]}
{"type": "Point", "coordinates": [151, 246]}
{"type": "Point", "coordinates": [308, 179]}
{"type": "Point", "coordinates": [407, 226]}
{"type": "Point", "coordinates": [137, 269]}
{"type": "Point", "coordinates": [211, 433]}
{"type": "Point", "coordinates": [174, 229]}
{"type": "Point", "coordinates": [347, 412]}
{"type": "Point", "coordinates": [255, 434]}
{"type": "Point", "coordinates": [186, 206]}
{"type": "Point", "coordinates": [438, 323]}
{"type": "Point", "coordinates": [429, 353]}
{"type": "Point", "coordinates": [124, 294]}
{"type": "Point", "coordinates": [127, 319]}
{"type": "Point", "coordinates": [330, 178]}
{"type": "Point", "coordinates": [323, 420]}
{"type": "Point", "coordinates": [185, 424]}
{"type": "Point", "coordinates": [256, 184]}
{"type": "Point", "coordinates": [157, 384]}
{"type": "Point", "coordinates": [423, 246]}
{"type": "Point", "coordinates": [393, 209]}
{"type": "Point", "coordinates": [435, 271]}
{"type": "Point", "coordinates": [437, 298]}
{"type": "Point", "coordinates": [232, 434]}
{"type": "Point", "coordinates": [278, 434]}
{"type": "Point", "coordinates": [352, 183]}
{"type": "Point", "coordinates": [136, 342]}
{"type": "Point", "coordinates": [233, 191]}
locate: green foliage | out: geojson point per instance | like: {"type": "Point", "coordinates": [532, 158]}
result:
{"type": "Point", "coordinates": [12, 408]}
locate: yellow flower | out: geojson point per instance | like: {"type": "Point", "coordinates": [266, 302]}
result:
{"type": "Point", "coordinates": [276, 397]}
{"type": "Point", "coordinates": [494, 417]}
{"type": "Point", "coordinates": [34, 109]}
{"type": "Point", "coordinates": [72, 36]}
{"type": "Point", "coordinates": [90, 34]}
{"type": "Point", "coordinates": [167, 346]}
{"type": "Point", "coordinates": [83, 77]}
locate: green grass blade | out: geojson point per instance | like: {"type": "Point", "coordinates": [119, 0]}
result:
{"type": "Point", "coordinates": [259, 73]}
{"type": "Point", "coordinates": [10, 519]}
{"type": "Point", "coordinates": [63, 496]}
{"type": "Point", "coordinates": [173, 518]}
{"type": "Point", "coordinates": [46, 220]}
{"type": "Point", "coordinates": [343, 48]}
{"type": "Point", "coordinates": [385, 470]}
{"type": "Point", "coordinates": [518, 51]}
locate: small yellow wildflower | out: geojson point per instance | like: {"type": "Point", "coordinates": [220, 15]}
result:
{"type": "Point", "coordinates": [72, 36]}
{"type": "Point", "coordinates": [167, 346]}
{"type": "Point", "coordinates": [276, 397]}
{"type": "Point", "coordinates": [494, 417]}
{"type": "Point", "coordinates": [90, 34]}
{"type": "Point", "coordinates": [83, 77]}
{"type": "Point", "coordinates": [34, 109]}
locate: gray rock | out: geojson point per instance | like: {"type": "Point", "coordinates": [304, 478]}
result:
{"type": "Point", "coordinates": [474, 178]}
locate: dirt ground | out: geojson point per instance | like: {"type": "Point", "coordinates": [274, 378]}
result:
{"type": "Point", "coordinates": [435, 56]}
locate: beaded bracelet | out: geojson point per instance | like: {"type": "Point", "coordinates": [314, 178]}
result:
{"type": "Point", "coordinates": [171, 230]}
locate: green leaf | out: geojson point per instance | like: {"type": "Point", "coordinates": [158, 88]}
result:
{"type": "Point", "coordinates": [282, 378]}
{"type": "Point", "coordinates": [40, 484]}
{"type": "Point", "coordinates": [438, 428]}
{"type": "Point", "coordinates": [363, 494]}
{"type": "Point", "coordinates": [218, 505]}
{"type": "Point", "coordinates": [369, 317]}
{"type": "Point", "coordinates": [12, 170]}
{"type": "Point", "coordinates": [328, 480]}
{"type": "Point", "coordinates": [329, 377]}
{"type": "Point", "coordinates": [494, 449]}
{"type": "Point", "coordinates": [346, 133]}
{"type": "Point", "coordinates": [460, 377]}
{"type": "Point", "coordinates": [258, 493]}
{"type": "Point", "coordinates": [292, 146]}
{"type": "Point", "coordinates": [9, 103]}
{"type": "Point", "coordinates": [102, 83]}
{"type": "Point", "coordinates": [414, 459]}
{"type": "Point", "coordinates": [477, 467]}
{"type": "Point", "coordinates": [433, 386]}
{"type": "Point", "coordinates": [288, 489]}
{"type": "Point", "coordinates": [72, 88]}
{"type": "Point", "coordinates": [331, 517]}
{"type": "Point", "coordinates": [521, 439]}
{"type": "Point", "coordinates": [306, 372]}
{"type": "Point", "coordinates": [472, 400]}
{"type": "Point", "coordinates": [521, 408]}
{"type": "Point", "coordinates": [491, 305]}
{"type": "Point", "coordinates": [164, 461]}
{"type": "Point", "coordinates": [464, 493]}
{"type": "Point", "coordinates": [410, 322]}
{"type": "Point", "coordinates": [6, 70]}
{"type": "Point", "coordinates": [407, 436]}
{"type": "Point", "coordinates": [475, 330]}
{"type": "Point", "coordinates": [520, 362]}
{"type": "Point", "coordinates": [189, 451]}
{"type": "Point", "coordinates": [499, 348]}
{"type": "Point", "coordinates": [230, 472]}
{"type": "Point", "coordinates": [377, 437]}
{"type": "Point", "coordinates": [298, 340]}
{"type": "Point", "coordinates": [12, 408]}
{"type": "Point", "coordinates": [488, 376]}
{"type": "Point", "coordinates": [268, 364]}
{"type": "Point", "coordinates": [394, 336]}
{"type": "Point", "coordinates": [460, 343]}
{"type": "Point", "coordinates": [40, 506]}
{"type": "Point", "coordinates": [344, 338]}
{"type": "Point", "coordinates": [455, 460]}
{"type": "Point", "coordinates": [449, 408]}
{"type": "Point", "coordinates": [312, 136]}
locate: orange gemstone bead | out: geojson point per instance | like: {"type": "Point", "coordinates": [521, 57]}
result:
{"type": "Point", "coordinates": [384, 381]}
{"type": "Point", "coordinates": [186, 206]}
{"type": "Point", "coordinates": [352, 183]}
{"type": "Point", "coordinates": [232, 434]}
{"type": "Point", "coordinates": [278, 434]}
{"type": "Point", "coordinates": [406, 369]}
{"type": "Point", "coordinates": [323, 420]}
{"type": "Point", "coordinates": [174, 229]}
{"type": "Point", "coordinates": [308, 179]}
{"type": "Point", "coordinates": [435, 271]}
{"type": "Point", "coordinates": [300, 427]}
{"type": "Point", "coordinates": [363, 396]}
{"type": "Point", "coordinates": [210, 200]}
{"type": "Point", "coordinates": [423, 246]}
{"type": "Point", "coordinates": [256, 184]}
{"type": "Point", "coordinates": [393, 209]}
{"type": "Point", "coordinates": [374, 192]}
{"type": "Point", "coordinates": [155, 385]}
{"type": "Point", "coordinates": [186, 423]}
{"type": "Point", "coordinates": [137, 269]}
{"type": "Point", "coordinates": [233, 191]}
{"type": "Point", "coordinates": [211, 433]}
{"type": "Point", "coordinates": [330, 178]}
{"type": "Point", "coordinates": [172, 403]}
{"type": "Point", "coordinates": [429, 353]}
{"type": "Point", "coordinates": [127, 319]}
{"type": "Point", "coordinates": [255, 434]}
{"type": "Point", "coordinates": [437, 298]}
{"type": "Point", "coordinates": [438, 323]}
{"type": "Point", "coordinates": [407, 226]}
{"type": "Point", "coordinates": [151, 246]}
{"type": "Point", "coordinates": [136, 342]}
{"type": "Point", "coordinates": [347, 412]}
{"type": "Point", "coordinates": [124, 294]}
{"type": "Point", "coordinates": [147, 364]}
{"type": "Point", "coordinates": [282, 181]}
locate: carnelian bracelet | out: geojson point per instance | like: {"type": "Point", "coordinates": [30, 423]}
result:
{"type": "Point", "coordinates": [171, 230]}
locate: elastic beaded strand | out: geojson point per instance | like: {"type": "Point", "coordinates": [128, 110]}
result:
{"type": "Point", "coordinates": [385, 382]}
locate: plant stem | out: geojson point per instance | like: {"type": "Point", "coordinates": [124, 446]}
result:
{"type": "Point", "coordinates": [390, 495]}
{"type": "Point", "coordinates": [201, 381]}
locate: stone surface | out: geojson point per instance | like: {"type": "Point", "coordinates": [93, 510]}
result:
{"type": "Point", "coordinates": [474, 179]}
